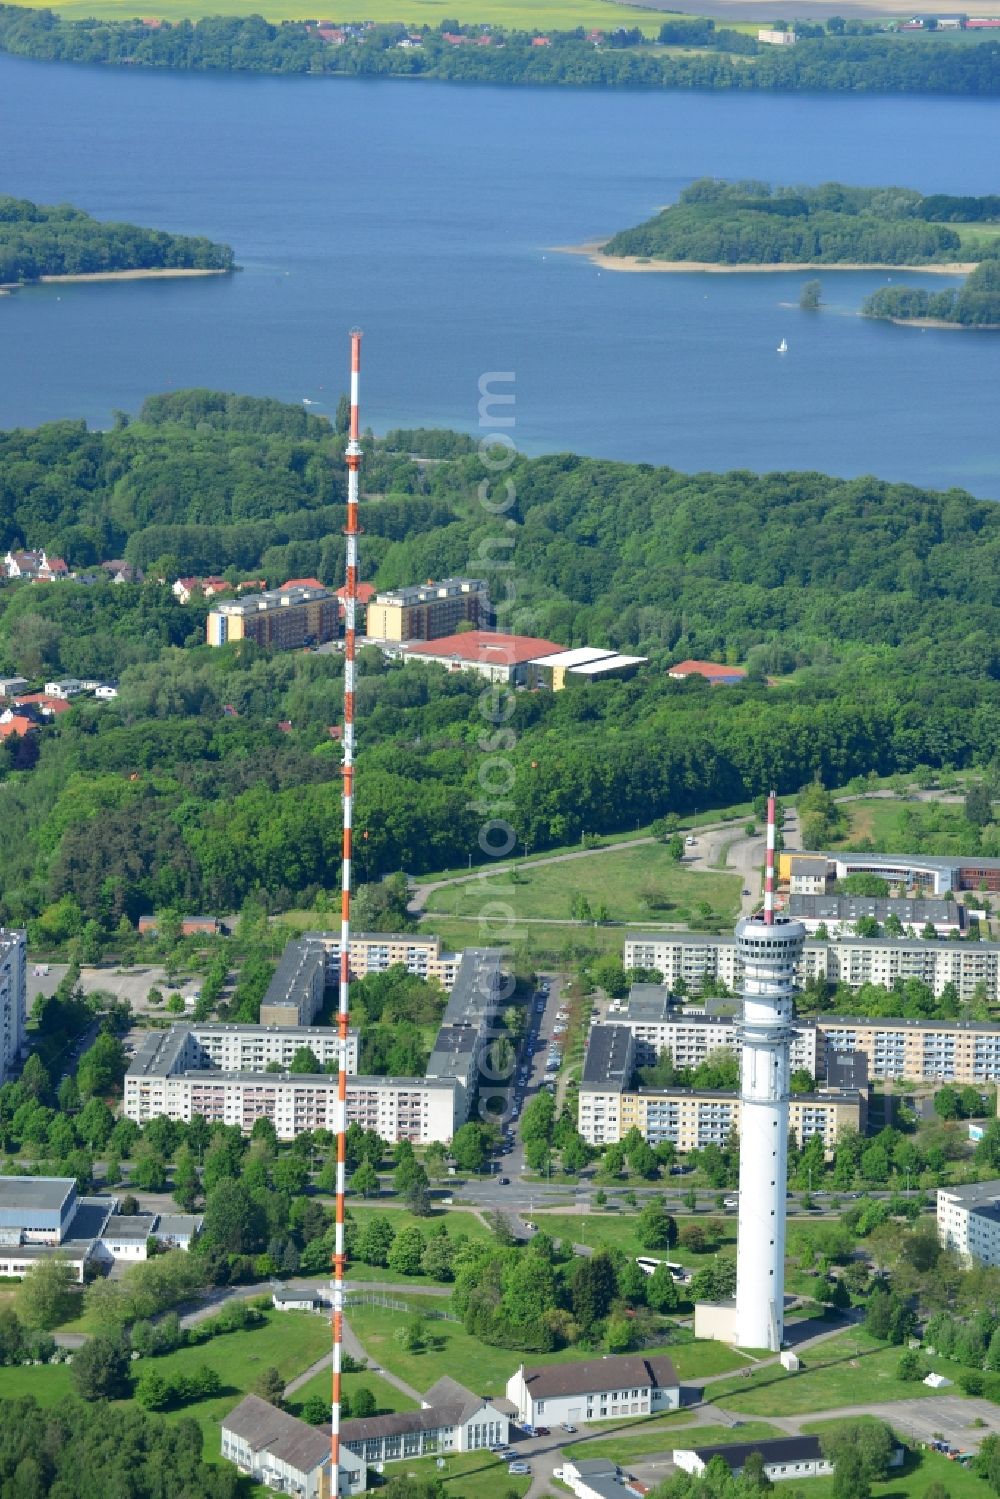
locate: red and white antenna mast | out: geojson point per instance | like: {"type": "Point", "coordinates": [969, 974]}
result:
{"type": "Point", "coordinates": [769, 865]}
{"type": "Point", "coordinates": [352, 457]}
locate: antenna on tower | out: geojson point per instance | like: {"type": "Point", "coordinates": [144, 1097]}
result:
{"type": "Point", "coordinates": [352, 457]}
{"type": "Point", "coordinates": [769, 865]}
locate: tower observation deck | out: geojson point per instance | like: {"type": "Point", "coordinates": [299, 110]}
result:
{"type": "Point", "coordinates": [768, 950]}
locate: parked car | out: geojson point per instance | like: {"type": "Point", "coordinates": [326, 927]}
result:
{"type": "Point", "coordinates": [542, 1431]}
{"type": "Point", "coordinates": [567, 1427]}
{"type": "Point", "coordinates": [518, 1467]}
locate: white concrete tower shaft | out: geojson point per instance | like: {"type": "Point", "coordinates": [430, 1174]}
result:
{"type": "Point", "coordinates": [769, 948]}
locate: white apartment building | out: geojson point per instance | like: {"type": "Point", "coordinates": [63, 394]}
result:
{"type": "Point", "coordinates": [597, 1389]}
{"type": "Point", "coordinates": [690, 1037]}
{"type": "Point", "coordinates": [953, 1051]}
{"type": "Point", "coordinates": [609, 1106]}
{"type": "Point", "coordinates": [13, 998]}
{"type": "Point", "coordinates": [851, 960]}
{"type": "Point", "coordinates": [172, 1073]}
{"type": "Point", "coordinates": [252, 1048]}
{"type": "Point", "coordinates": [968, 1221]}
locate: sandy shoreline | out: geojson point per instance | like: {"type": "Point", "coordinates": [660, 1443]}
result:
{"type": "Point", "coordinates": [136, 275]}
{"type": "Point", "coordinates": [936, 322]}
{"type": "Point", "coordinates": [596, 256]}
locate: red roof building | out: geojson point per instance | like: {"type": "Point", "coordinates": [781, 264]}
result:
{"type": "Point", "coordinates": [301, 583]}
{"type": "Point", "coordinates": [713, 671]}
{"type": "Point", "coordinates": [16, 725]}
{"type": "Point", "coordinates": [44, 703]}
{"type": "Point", "coordinates": [498, 658]}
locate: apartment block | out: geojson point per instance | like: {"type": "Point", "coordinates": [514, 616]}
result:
{"type": "Point", "coordinates": [609, 1105]}
{"type": "Point", "coordinates": [295, 995]}
{"type": "Point", "coordinates": [375, 952]}
{"type": "Point", "coordinates": [13, 998]}
{"type": "Point", "coordinates": [284, 619]}
{"type": "Point", "coordinates": [690, 1035]}
{"type": "Point", "coordinates": [968, 1221]}
{"type": "Point", "coordinates": [851, 960]}
{"type": "Point", "coordinates": [254, 1048]}
{"type": "Point", "coordinates": [953, 1051]}
{"type": "Point", "coordinates": [169, 1076]}
{"type": "Point", "coordinates": [428, 611]}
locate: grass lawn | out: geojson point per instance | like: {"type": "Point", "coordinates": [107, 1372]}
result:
{"type": "Point", "coordinates": [558, 14]}
{"type": "Point", "coordinates": [849, 1369]}
{"type": "Point", "coordinates": [663, 1434]}
{"type": "Point", "coordinates": [387, 1397]}
{"type": "Point", "coordinates": [458, 1221]}
{"type": "Point", "coordinates": [618, 1230]}
{"type": "Point", "coordinates": [636, 884]}
{"type": "Point", "coordinates": [464, 1474]}
{"type": "Point", "coordinates": [903, 826]}
{"type": "Point", "coordinates": [915, 1478]}
{"type": "Point", "coordinates": [288, 1341]}
{"type": "Point", "coordinates": [482, 1369]}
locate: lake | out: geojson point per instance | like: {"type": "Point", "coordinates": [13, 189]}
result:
{"type": "Point", "coordinates": [426, 213]}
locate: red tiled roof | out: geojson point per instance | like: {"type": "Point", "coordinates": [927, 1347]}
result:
{"type": "Point", "coordinates": [55, 704]}
{"type": "Point", "coordinates": [16, 725]}
{"type": "Point", "coordinates": [365, 592]}
{"type": "Point", "coordinates": [483, 646]}
{"type": "Point", "coordinates": [301, 583]}
{"type": "Point", "coordinates": [705, 669]}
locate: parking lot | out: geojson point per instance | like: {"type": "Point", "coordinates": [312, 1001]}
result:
{"type": "Point", "coordinates": [132, 984]}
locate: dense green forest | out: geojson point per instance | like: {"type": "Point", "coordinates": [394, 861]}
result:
{"type": "Point", "coordinates": [753, 223]}
{"type": "Point", "coordinates": [975, 304]}
{"type": "Point", "coordinates": [837, 59]}
{"type": "Point", "coordinates": [39, 240]}
{"type": "Point", "coordinates": [874, 604]}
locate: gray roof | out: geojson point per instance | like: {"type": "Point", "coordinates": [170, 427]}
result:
{"type": "Point", "coordinates": [593, 1467]}
{"type": "Point", "coordinates": [301, 965]}
{"type": "Point", "coordinates": [474, 995]}
{"type": "Point", "coordinates": [452, 1411]}
{"type": "Point", "coordinates": [609, 1373]}
{"type": "Point", "coordinates": [905, 1022]}
{"type": "Point", "coordinates": [444, 1389]}
{"type": "Point", "coordinates": [776, 1450]}
{"type": "Point", "coordinates": [649, 1002]}
{"type": "Point", "coordinates": [851, 907]}
{"type": "Point", "coordinates": [610, 1057]}
{"type": "Point", "coordinates": [814, 864]}
{"type": "Point", "coordinates": [846, 1069]}
{"type": "Point", "coordinates": [978, 1195]}
{"type": "Point", "coordinates": [426, 593]}
{"type": "Point", "coordinates": [178, 1225]}
{"type": "Point", "coordinates": [271, 599]}
{"type": "Point", "coordinates": [161, 1053]}
{"type": "Point", "coordinates": [452, 1044]}
{"type": "Point", "coordinates": [45, 1193]}
{"type": "Point", "coordinates": [136, 1226]}
{"type": "Point", "coordinates": [266, 1428]}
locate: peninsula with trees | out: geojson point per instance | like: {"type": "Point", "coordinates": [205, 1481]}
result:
{"type": "Point", "coordinates": [718, 225]}
{"type": "Point", "coordinates": [41, 243]}
{"type": "Point", "coordinates": [974, 304]}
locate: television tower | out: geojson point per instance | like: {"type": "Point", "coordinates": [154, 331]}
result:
{"type": "Point", "coordinates": [352, 457]}
{"type": "Point", "coordinates": [769, 949]}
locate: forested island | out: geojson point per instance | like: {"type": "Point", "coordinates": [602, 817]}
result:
{"type": "Point", "coordinates": [840, 57]}
{"type": "Point", "coordinates": [213, 774]}
{"type": "Point", "coordinates": [38, 241]}
{"type": "Point", "coordinates": [751, 223]}
{"type": "Point", "coordinates": [976, 304]}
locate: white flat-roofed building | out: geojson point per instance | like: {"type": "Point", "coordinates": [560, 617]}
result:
{"type": "Point", "coordinates": [839, 914]}
{"type": "Point", "coordinates": [597, 1389]}
{"type": "Point", "coordinates": [692, 1036]}
{"type": "Point", "coordinates": [39, 1209]}
{"type": "Point", "coordinates": [854, 961]}
{"type": "Point", "coordinates": [582, 663]}
{"type": "Point", "coordinates": [968, 1221]}
{"type": "Point", "coordinates": [13, 999]}
{"type": "Point", "coordinates": [252, 1048]}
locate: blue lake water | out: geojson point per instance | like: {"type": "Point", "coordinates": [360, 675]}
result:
{"type": "Point", "coordinates": [425, 213]}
